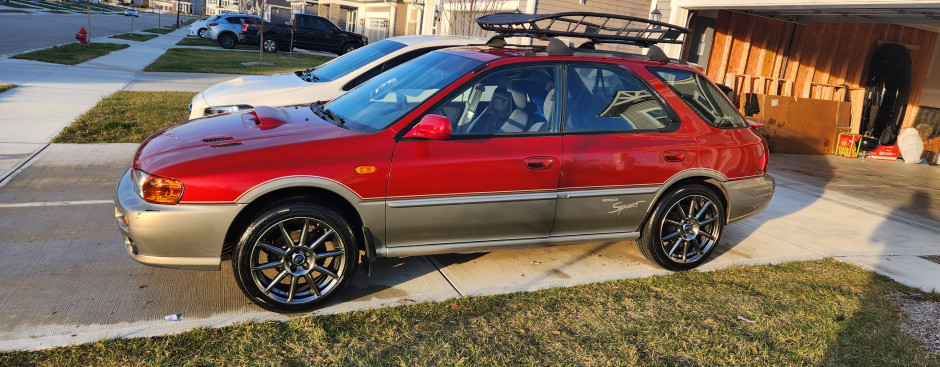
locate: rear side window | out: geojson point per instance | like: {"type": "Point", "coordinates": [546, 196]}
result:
{"type": "Point", "coordinates": [702, 97]}
{"type": "Point", "coordinates": [602, 98]}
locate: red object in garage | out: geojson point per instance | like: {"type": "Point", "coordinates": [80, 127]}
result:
{"type": "Point", "coordinates": [82, 36]}
{"type": "Point", "coordinates": [885, 153]}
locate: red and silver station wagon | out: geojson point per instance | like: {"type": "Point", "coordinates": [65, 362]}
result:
{"type": "Point", "coordinates": [469, 149]}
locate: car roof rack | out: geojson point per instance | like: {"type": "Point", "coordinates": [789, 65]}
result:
{"type": "Point", "coordinates": [595, 27]}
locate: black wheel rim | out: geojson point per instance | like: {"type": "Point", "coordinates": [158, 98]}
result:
{"type": "Point", "coordinates": [298, 260]}
{"type": "Point", "coordinates": [690, 229]}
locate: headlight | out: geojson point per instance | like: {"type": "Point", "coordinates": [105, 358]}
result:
{"type": "Point", "coordinates": [215, 110]}
{"type": "Point", "coordinates": [156, 189]}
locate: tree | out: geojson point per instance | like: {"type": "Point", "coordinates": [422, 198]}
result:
{"type": "Point", "coordinates": [459, 16]}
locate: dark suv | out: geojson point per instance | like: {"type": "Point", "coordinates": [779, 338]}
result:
{"type": "Point", "coordinates": [468, 149]}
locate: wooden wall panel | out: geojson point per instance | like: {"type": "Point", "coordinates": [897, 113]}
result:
{"type": "Point", "coordinates": [820, 58]}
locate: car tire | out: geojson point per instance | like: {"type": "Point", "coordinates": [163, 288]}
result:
{"type": "Point", "coordinates": [684, 228]}
{"type": "Point", "coordinates": [228, 41]}
{"type": "Point", "coordinates": [349, 47]}
{"type": "Point", "coordinates": [269, 45]}
{"type": "Point", "coordinates": [289, 247]}
{"type": "Point", "coordinates": [202, 32]}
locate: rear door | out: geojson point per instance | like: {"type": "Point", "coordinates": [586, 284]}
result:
{"type": "Point", "coordinates": [621, 143]}
{"type": "Point", "coordinates": [495, 182]}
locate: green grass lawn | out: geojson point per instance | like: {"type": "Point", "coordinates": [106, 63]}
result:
{"type": "Point", "coordinates": [819, 313]}
{"type": "Point", "coordinates": [140, 37]}
{"type": "Point", "coordinates": [72, 53]}
{"type": "Point", "coordinates": [127, 117]}
{"type": "Point", "coordinates": [162, 30]}
{"type": "Point", "coordinates": [14, 4]}
{"type": "Point", "coordinates": [6, 87]}
{"type": "Point", "coordinates": [13, 11]}
{"type": "Point", "coordinates": [196, 41]}
{"type": "Point", "coordinates": [230, 62]}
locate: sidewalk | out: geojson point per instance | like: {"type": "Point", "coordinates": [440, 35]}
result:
{"type": "Point", "coordinates": [49, 97]}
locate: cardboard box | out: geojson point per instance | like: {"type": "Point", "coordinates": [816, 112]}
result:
{"type": "Point", "coordinates": [885, 153]}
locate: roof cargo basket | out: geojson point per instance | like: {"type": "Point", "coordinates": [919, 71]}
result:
{"type": "Point", "coordinates": [596, 27]}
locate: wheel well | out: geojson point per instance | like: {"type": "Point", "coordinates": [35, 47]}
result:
{"type": "Point", "coordinates": [708, 182]}
{"type": "Point", "coordinates": [314, 194]}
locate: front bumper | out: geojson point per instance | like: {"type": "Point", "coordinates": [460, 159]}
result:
{"type": "Point", "coordinates": [171, 236]}
{"type": "Point", "coordinates": [749, 196]}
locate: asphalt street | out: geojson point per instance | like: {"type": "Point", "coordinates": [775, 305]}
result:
{"type": "Point", "coordinates": [22, 32]}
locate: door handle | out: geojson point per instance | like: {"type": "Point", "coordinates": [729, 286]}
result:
{"type": "Point", "coordinates": [539, 163]}
{"type": "Point", "coordinates": [674, 155]}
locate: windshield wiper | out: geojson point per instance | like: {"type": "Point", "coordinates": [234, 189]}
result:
{"type": "Point", "coordinates": [324, 113]}
{"type": "Point", "coordinates": [307, 75]}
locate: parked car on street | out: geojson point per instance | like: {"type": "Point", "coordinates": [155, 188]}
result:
{"type": "Point", "coordinates": [131, 12]}
{"type": "Point", "coordinates": [200, 28]}
{"type": "Point", "coordinates": [228, 29]}
{"type": "Point", "coordinates": [325, 82]}
{"type": "Point", "coordinates": [309, 32]}
{"type": "Point", "coordinates": [462, 150]}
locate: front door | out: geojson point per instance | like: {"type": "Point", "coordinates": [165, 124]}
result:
{"type": "Point", "coordinates": [496, 177]}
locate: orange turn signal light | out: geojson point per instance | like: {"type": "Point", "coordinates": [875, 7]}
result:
{"type": "Point", "coordinates": [362, 170]}
{"type": "Point", "coordinates": [158, 190]}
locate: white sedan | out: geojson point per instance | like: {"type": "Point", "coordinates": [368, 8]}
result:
{"type": "Point", "coordinates": [325, 82]}
{"type": "Point", "coordinates": [199, 27]}
{"type": "Point", "coordinates": [131, 13]}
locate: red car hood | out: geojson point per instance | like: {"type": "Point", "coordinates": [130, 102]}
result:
{"type": "Point", "coordinates": [237, 133]}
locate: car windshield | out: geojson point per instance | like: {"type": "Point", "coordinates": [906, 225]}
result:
{"type": "Point", "coordinates": [347, 63]}
{"type": "Point", "coordinates": [381, 101]}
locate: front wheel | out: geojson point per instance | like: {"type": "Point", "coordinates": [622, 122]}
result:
{"type": "Point", "coordinates": [684, 228]}
{"type": "Point", "coordinates": [227, 41]}
{"type": "Point", "coordinates": [295, 256]}
{"type": "Point", "coordinates": [269, 45]}
{"type": "Point", "coordinates": [349, 47]}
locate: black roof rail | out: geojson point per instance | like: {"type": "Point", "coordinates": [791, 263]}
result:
{"type": "Point", "coordinates": [596, 27]}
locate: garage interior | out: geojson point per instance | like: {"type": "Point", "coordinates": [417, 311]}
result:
{"type": "Point", "coordinates": [803, 72]}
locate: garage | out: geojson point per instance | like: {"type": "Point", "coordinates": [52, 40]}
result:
{"type": "Point", "coordinates": [809, 70]}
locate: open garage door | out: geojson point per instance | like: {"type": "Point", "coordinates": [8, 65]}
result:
{"type": "Point", "coordinates": [803, 68]}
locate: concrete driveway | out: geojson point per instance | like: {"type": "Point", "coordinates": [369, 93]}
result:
{"type": "Point", "coordinates": [64, 276]}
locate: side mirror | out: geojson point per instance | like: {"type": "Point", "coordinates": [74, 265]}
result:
{"type": "Point", "coordinates": [754, 124]}
{"type": "Point", "coordinates": [432, 127]}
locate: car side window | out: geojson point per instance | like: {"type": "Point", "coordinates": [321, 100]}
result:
{"type": "Point", "coordinates": [602, 98]}
{"type": "Point", "coordinates": [323, 25]}
{"type": "Point", "coordinates": [701, 96]}
{"type": "Point", "coordinates": [234, 20]}
{"type": "Point", "coordinates": [510, 101]}
{"type": "Point", "coordinates": [388, 65]}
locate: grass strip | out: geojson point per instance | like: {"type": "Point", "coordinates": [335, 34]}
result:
{"type": "Point", "coordinates": [230, 62]}
{"type": "Point", "coordinates": [6, 87]}
{"type": "Point", "coordinates": [127, 117]}
{"type": "Point", "coordinates": [196, 41]}
{"type": "Point", "coordinates": [72, 53]}
{"type": "Point", "coordinates": [804, 313]}
{"type": "Point", "coordinates": [140, 37]}
{"type": "Point", "coordinates": [163, 30]}
{"type": "Point", "coordinates": [14, 4]}
{"type": "Point", "coordinates": [13, 11]}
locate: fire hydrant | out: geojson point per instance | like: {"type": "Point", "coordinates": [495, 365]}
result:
{"type": "Point", "coordinates": [82, 36]}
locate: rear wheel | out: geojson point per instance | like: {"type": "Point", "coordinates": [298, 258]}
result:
{"type": "Point", "coordinates": [684, 229]}
{"type": "Point", "coordinates": [269, 45]}
{"type": "Point", "coordinates": [201, 32]}
{"type": "Point", "coordinates": [227, 40]}
{"type": "Point", "coordinates": [294, 256]}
